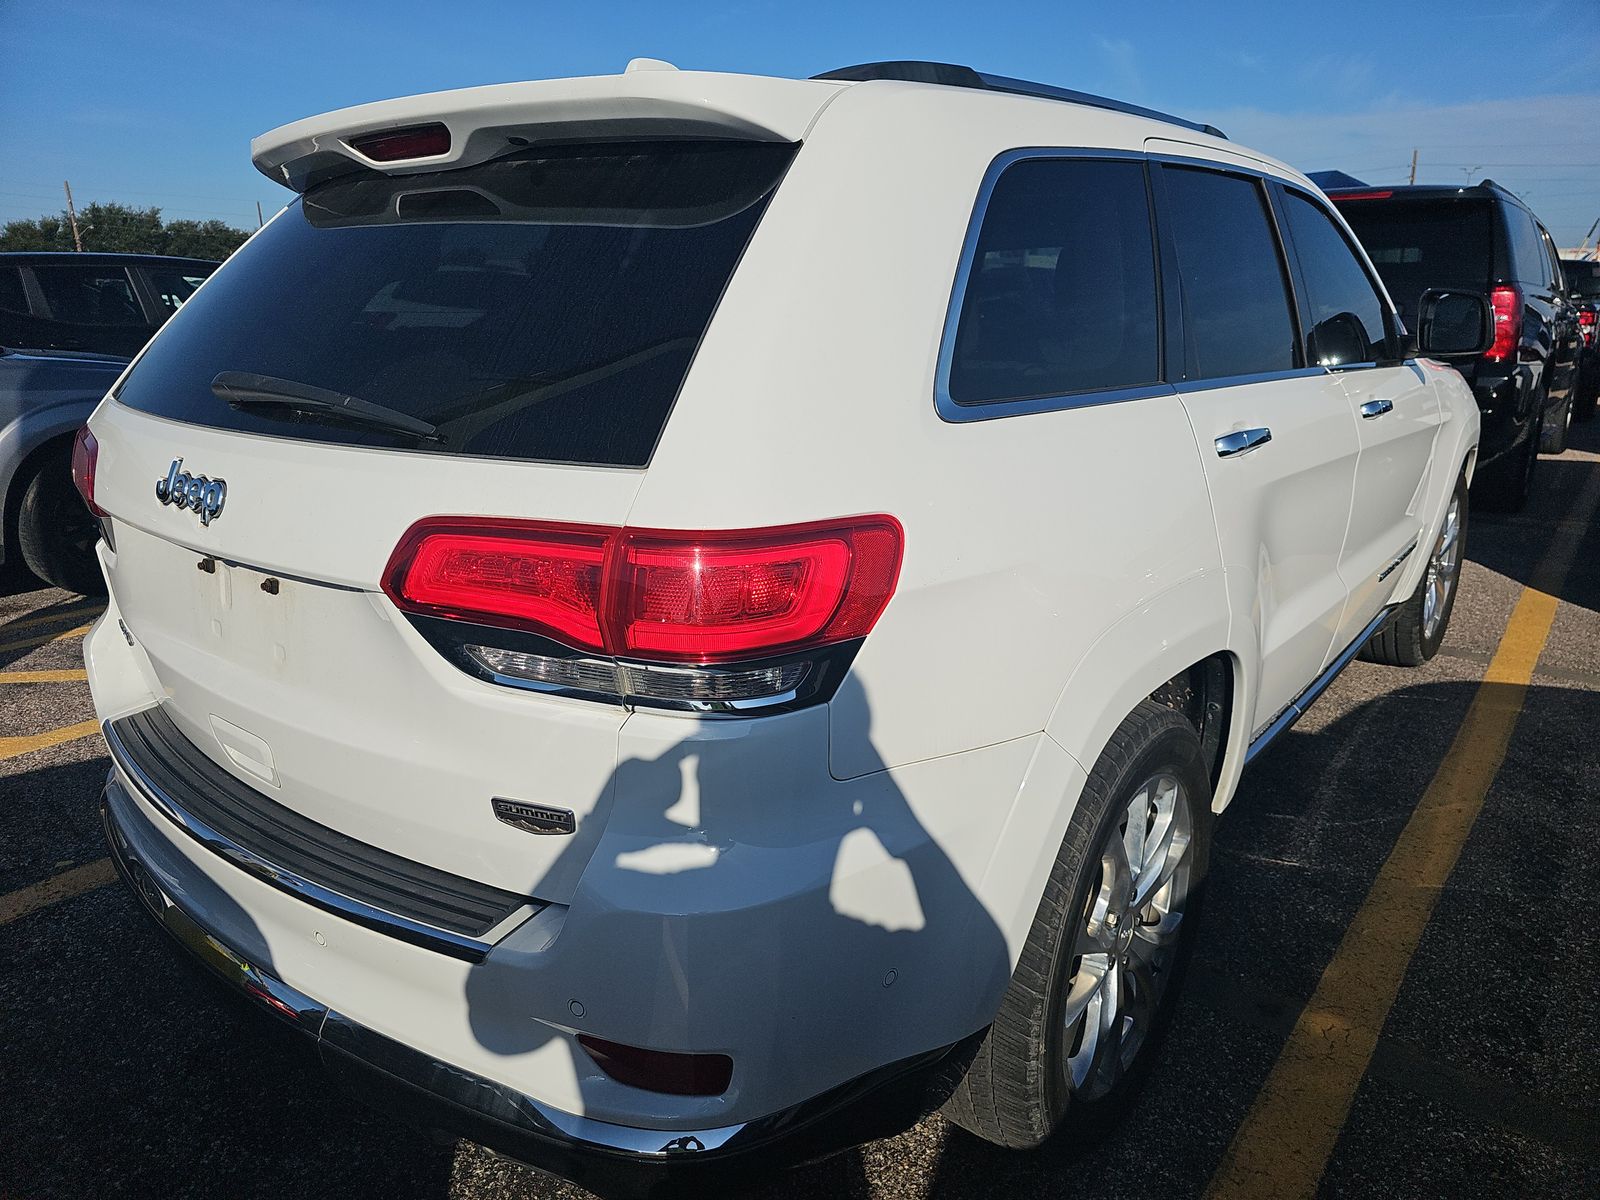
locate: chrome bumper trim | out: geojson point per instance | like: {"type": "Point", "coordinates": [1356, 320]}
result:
{"type": "Point", "coordinates": [592, 1152]}
{"type": "Point", "coordinates": [1297, 706]}
{"type": "Point", "coordinates": [429, 937]}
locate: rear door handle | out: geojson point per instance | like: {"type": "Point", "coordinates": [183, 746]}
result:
{"type": "Point", "coordinates": [1242, 441]}
{"type": "Point", "coordinates": [1376, 408]}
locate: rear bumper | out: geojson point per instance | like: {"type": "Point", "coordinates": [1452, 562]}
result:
{"type": "Point", "coordinates": [607, 1157]}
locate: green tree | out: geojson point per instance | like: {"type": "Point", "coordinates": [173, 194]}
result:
{"type": "Point", "coordinates": [118, 228]}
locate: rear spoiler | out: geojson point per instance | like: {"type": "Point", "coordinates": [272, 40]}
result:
{"type": "Point", "coordinates": [649, 100]}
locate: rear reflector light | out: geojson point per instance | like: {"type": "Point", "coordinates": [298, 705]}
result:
{"type": "Point", "coordinates": [659, 1070]}
{"type": "Point", "coordinates": [420, 141]}
{"type": "Point", "coordinates": [1341, 197]}
{"type": "Point", "coordinates": [85, 460]}
{"type": "Point", "coordinates": [702, 597]}
{"type": "Point", "coordinates": [1507, 305]}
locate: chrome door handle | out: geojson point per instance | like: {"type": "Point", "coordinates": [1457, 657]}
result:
{"type": "Point", "coordinates": [1242, 441]}
{"type": "Point", "coordinates": [1376, 408]}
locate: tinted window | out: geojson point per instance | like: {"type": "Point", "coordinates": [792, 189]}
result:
{"type": "Point", "coordinates": [542, 306]}
{"type": "Point", "coordinates": [88, 295]}
{"type": "Point", "coordinates": [1583, 278]}
{"type": "Point", "coordinates": [1552, 258]}
{"type": "Point", "coordinates": [1346, 313]}
{"type": "Point", "coordinates": [1529, 263]}
{"type": "Point", "coordinates": [1422, 244]}
{"type": "Point", "coordinates": [12, 296]}
{"type": "Point", "coordinates": [173, 285]}
{"type": "Point", "coordinates": [1235, 303]}
{"type": "Point", "coordinates": [1061, 294]}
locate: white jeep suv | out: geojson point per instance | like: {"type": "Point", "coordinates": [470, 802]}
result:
{"type": "Point", "coordinates": [677, 616]}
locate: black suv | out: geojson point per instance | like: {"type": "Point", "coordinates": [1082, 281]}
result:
{"type": "Point", "coordinates": [1484, 239]}
{"type": "Point", "coordinates": [1583, 287]}
{"type": "Point", "coordinates": [99, 303]}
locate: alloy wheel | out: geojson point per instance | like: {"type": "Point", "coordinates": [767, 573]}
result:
{"type": "Point", "coordinates": [1127, 936]}
{"type": "Point", "coordinates": [1444, 564]}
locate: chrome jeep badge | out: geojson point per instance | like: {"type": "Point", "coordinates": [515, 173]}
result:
{"type": "Point", "coordinates": [204, 496]}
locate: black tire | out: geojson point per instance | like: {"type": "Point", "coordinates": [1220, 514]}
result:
{"type": "Point", "coordinates": [1404, 641]}
{"type": "Point", "coordinates": [1017, 1091]}
{"type": "Point", "coordinates": [1553, 433]}
{"type": "Point", "coordinates": [56, 533]}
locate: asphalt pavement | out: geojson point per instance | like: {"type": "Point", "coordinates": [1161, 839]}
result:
{"type": "Point", "coordinates": [122, 1074]}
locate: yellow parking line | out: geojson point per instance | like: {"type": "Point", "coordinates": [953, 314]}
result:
{"type": "Point", "coordinates": [52, 891]}
{"type": "Point", "coordinates": [43, 676]}
{"type": "Point", "coordinates": [45, 638]}
{"type": "Point", "coordinates": [1283, 1146]}
{"type": "Point", "coordinates": [12, 747]}
{"type": "Point", "coordinates": [54, 618]}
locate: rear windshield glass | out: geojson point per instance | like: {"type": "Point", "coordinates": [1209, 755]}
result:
{"type": "Point", "coordinates": [1422, 244]}
{"type": "Point", "coordinates": [542, 306]}
{"type": "Point", "coordinates": [1583, 278]}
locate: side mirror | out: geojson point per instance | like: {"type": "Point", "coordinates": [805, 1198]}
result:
{"type": "Point", "coordinates": [1454, 324]}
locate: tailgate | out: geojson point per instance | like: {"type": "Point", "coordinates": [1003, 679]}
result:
{"type": "Point", "coordinates": [319, 692]}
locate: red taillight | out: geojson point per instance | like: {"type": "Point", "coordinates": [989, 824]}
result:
{"type": "Point", "coordinates": [528, 576]}
{"type": "Point", "coordinates": [1341, 197]}
{"type": "Point", "coordinates": [703, 597]}
{"type": "Point", "coordinates": [85, 458]}
{"type": "Point", "coordinates": [1586, 317]}
{"type": "Point", "coordinates": [1507, 305]}
{"type": "Point", "coordinates": [420, 141]}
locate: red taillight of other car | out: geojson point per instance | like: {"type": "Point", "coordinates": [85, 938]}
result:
{"type": "Point", "coordinates": [85, 459]}
{"type": "Point", "coordinates": [1506, 302]}
{"type": "Point", "coordinates": [699, 597]}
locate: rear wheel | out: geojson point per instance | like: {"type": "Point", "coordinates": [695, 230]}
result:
{"type": "Point", "coordinates": [1416, 631]}
{"type": "Point", "coordinates": [56, 533]}
{"type": "Point", "coordinates": [1093, 990]}
{"type": "Point", "coordinates": [1553, 436]}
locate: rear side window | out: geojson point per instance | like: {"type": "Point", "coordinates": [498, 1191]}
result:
{"type": "Point", "coordinates": [1236, 310]}
{"type": "Point", "coordinates": [1529, 262]}
{"type": "Point", "coordinates": [1346, 314]}
{"type": "Point", "coordinates": [1060, 296]}
{"type": "Point", "coordinates": [88, 295]}
{"type": "Point", "coordinates": [542, 306]}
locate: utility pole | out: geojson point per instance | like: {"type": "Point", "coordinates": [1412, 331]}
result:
{"type": "Point", "coordinates": [72, 217]}
{"type": "Point", "coordinates": [260, 221]}
{"type": "Point", "coordinates": [1413, 166]}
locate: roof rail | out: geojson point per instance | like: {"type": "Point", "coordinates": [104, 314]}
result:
{"type": "Point", "coordinates": [952, 75]}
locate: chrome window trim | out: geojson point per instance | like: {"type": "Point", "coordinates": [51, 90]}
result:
{"type": "Point", "coordinates": [1206, 385]}
{"type": "Point", "coordinates": [944, 404]}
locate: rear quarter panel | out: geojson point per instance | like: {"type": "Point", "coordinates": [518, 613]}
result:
{"type": "Point", "coordinates": [1027, 538]}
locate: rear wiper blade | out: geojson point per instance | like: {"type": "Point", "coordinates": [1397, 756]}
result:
{"type": "Point", "coordinates": [245, 389]}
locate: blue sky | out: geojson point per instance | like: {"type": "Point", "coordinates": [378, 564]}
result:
{"type": "Point", "coordinates": [155, 103]}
